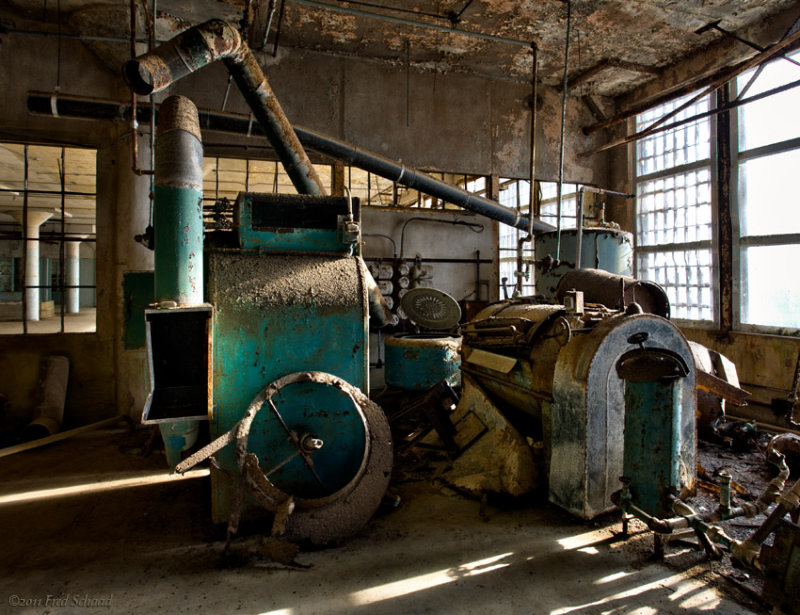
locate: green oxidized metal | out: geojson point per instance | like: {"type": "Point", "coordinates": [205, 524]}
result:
{"type": "Point", "coordinates": [418, 362]}
{"type": "Point", "coordinates": [282, 307]}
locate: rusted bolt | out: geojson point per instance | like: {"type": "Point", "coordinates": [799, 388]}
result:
{"type": "Point", "coordinates": [310, 444]}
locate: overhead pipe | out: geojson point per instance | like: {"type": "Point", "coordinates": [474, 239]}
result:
{"type": "Point", "coordinates": [217, 40]}
{"type": "Point", "coordinates": [64, 105]}
{"type": "Point", "coordinates": [528, 237]}
{"type": "Point", "coordinates": [563, 130]}
{"type": "Point", "coordinates": [197, 47]}
{"type": "Point", "coordinates": [416, 180]}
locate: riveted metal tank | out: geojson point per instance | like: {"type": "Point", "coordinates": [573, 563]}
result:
{"type": "Point", "coordinates": [551, 372]}
{"type": "Point", "coordinates": [601, 248]}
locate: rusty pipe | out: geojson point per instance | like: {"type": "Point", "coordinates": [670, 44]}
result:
{"type": "Point", "coordinates": [218, 40]}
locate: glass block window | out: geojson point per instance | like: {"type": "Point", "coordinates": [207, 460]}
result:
{"type": "Point", "coordinates": [674, 230]}
{"type": "Point", "coordinates": [767, 228]}
{"type": "Point", "coordinates": [680, 146]}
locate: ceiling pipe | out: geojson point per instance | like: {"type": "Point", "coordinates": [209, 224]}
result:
{"type": "Point", "coordinates": [65, 105]}
{"type": "Point", "coordinates": [217, 40]}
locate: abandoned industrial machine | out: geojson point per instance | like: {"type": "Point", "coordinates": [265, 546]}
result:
{"type": "Point", "coordinates": [263, 331]}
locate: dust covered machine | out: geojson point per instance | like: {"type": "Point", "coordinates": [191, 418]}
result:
{"type": "Point", "coordinates": [546, 406]}
{"type": "Point", "coordinates": [261, 329]}
{"type": "Point", "coordinates": [277, 353]}
{"type": "Point", "coordinates": [290, 336]}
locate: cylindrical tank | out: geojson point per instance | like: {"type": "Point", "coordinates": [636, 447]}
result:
{"type": "Point", "coordinates": [416, 362]}
{"type": "Point", "coordinates": [616, 292]}
{"type": "Point", "coordinates": [602, 248]}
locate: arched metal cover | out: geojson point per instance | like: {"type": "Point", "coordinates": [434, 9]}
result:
{"type": "Point", "coordinates": [588, 412]}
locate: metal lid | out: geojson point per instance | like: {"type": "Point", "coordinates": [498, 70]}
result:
{"type": "Point", "coordinates": [431, 308]}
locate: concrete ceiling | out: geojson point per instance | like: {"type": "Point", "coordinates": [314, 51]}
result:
{"type": "Point", "coordinates": [616, 44]}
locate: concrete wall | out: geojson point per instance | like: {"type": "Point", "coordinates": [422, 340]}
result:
{"type": "Point", "coordinates": [428, 120]}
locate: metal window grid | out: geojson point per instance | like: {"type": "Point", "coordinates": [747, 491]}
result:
{"type": "Point", "coordinates": [674, 217]}
{"type": "Point", "coordinates": [50, 191]}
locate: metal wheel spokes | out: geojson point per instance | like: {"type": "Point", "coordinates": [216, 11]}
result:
{"type": "Point", "coordinates": [313, 441]}
{"type": "Point", "coordinates": [298, 444]}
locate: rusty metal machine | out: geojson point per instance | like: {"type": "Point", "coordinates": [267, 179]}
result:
{"type": "Point", "coordinates": [276, 356]}
{"type": "Point", "coordinates": [541, 389]}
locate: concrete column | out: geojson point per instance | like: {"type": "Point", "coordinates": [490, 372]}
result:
{"type": "Point", "coordinates": [73, 275]}
{"type": "Point", "coordinates": [123, 206]}
{"type": "Point", "coordinates": [35, 220]}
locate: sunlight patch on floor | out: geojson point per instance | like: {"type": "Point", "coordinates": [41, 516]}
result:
{"type": "Point", "coordinates": [427, 581]}
{"type": "Point", "coordinates": [138, 480]}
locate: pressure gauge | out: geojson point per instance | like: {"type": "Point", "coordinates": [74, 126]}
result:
{"type": "Point", "coordinates": [385, 271]}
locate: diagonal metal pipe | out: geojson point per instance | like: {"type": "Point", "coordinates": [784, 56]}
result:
{"type": "Point", "coordinates": [218, 40]}
{"type": "Point", "coordinates": [65, 105]}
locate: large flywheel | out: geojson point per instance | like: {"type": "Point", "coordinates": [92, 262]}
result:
{"type": "Point", "coordinates": [317, 451]}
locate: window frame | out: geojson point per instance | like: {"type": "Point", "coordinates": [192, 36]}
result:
{"type": "Point", "coordinates": [62, 237]}
{"type": "Point", "coordinates": [739, 242]}
{"type": "Point", "coordinates": [711, 244]}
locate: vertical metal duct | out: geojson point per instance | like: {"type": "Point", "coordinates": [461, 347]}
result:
{"type": "Point", "coordinates": [178, 209]}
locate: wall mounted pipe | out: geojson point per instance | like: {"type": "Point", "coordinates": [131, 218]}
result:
{"type": "Point", "coordinates": [64, 105]}
{"type": "Point", "coordinates": [217, 40]}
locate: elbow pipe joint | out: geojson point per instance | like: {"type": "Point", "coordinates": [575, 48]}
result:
{"type": "Point", "coordinates": [218, 40]}
{"type": "Point", "coordinates": [184, 54]}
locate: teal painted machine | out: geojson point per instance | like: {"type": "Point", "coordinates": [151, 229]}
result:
{"type": "Point", "coordinates": [290, 323]}
{"type": "Point", "coordinates": [601, 248]}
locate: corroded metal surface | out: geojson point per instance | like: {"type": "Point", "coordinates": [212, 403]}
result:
{"type": "Point", "coordinates": [337, 515]}
{"type": "Point", "coordinates": [614, 291]}
{"type": "Point", "coordinates": [602, 248]}
{"type": "Point", "coordinates": [217, 40]}
{"type": "Point", "coordinates": [178, 113]}
{"type": "Point", "coordinates": [178, 205]}
{"type": "Point", "coordinates": [278, 314]}
{"type": "Point", "coordinates": [418, 362]}
{"type": "Point", "coordinates": [589, 408]}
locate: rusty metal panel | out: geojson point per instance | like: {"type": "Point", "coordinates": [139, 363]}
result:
{"type": "Point", "coordinates": [277, 314]}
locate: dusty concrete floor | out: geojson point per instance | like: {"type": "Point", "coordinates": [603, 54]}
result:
{"type": "Point", "coordinates": [130, 547]}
